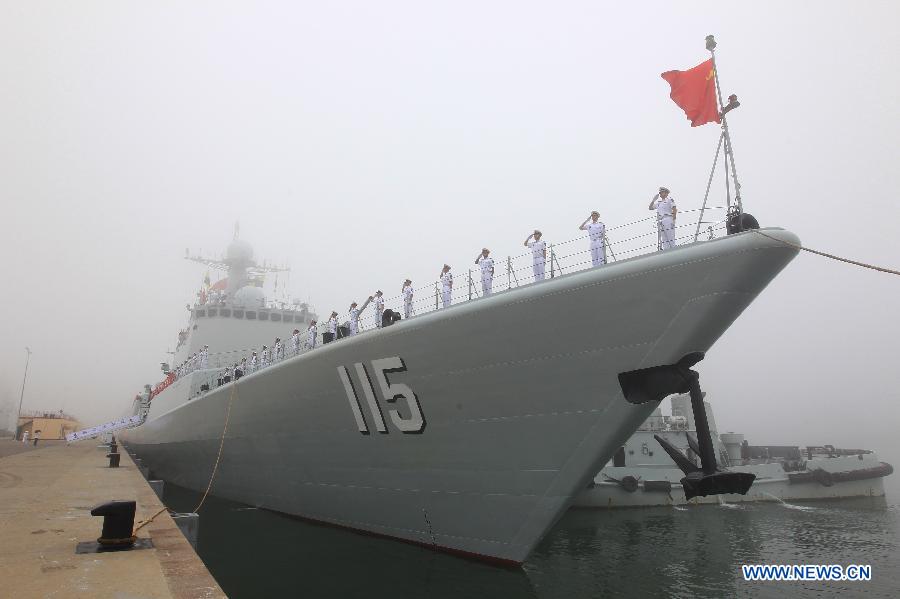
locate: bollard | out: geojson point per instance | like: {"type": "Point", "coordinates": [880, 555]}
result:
{"type": "Point", "coordinates": [190, 527]}
{"type": "Point", "coordinates": [114, 459]}
{"type": "Point", "coordinates": [118, 527]}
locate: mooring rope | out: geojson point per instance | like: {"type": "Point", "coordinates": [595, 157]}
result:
{"type": "Point", "coordinates": [832, 256]}
{"type": "Point", "coordinates": [212, 476]}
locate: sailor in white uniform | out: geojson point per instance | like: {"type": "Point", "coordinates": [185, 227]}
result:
{"type": "Point", "coordinates": [354, 315]}
{"type": "Point", "coordinates": [295, 341]}
{"type": "Point", "coordinates": [538, 253]}
{"type": "Point", "coordinates": [666, 211]}
{"type": "Point", "coordinates": [253, 362]}
{"type": "Point", "coordinates": [278, 350]}
{"type": "Point", "coordinates": [264, 357]}
{"type": "Point", "coordinates": [332, 326]}
{"type": "Point", "coordinates": [487, 270]}
{"type": "Point", "coordinates": [379, 308]}
{"type": "Point", "coordinates": [311, 335]}
{"type": "Point", "coordinates": [446, 286]}
{"type": "Point", "coordinates": [597, 233]}
{"type": "Point", "coordinates": [204, 357]}
{"type": "Point", "coordinates": [407, 292]}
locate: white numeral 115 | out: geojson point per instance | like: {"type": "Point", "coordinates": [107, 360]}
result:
{"type": "Point", "coordinates": [391, 392]}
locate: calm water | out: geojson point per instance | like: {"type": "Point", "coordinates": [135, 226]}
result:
{"type": "Point", "coordinates": [664, 552]}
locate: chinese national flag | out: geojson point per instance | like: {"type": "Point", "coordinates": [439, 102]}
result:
{"type": "Point", "coordinates": [694, 91]}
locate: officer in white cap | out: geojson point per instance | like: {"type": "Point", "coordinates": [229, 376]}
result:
{"type": "Point", "coordinates": [311, 335]}
{"type": "Point", "coordinates": [538, 253]}
{"type": "Point", "coordinates": [379, 308]}
{"type": "Point", "coordinates": [666, 211]}
{"type": "Point", "coordinates": [446, 286]}
{"type": "Point", "coordinates": [487, 270]}
{"type": "Point", "coordinates": [597, 233]}
{"type": "Point", "coordinates": [407, 292]}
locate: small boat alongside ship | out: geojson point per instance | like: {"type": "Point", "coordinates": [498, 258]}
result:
{"type": "Point", "coordinates": [641, 473]}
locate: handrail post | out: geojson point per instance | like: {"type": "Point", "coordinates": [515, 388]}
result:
{"type": "Point", "coordinates": [552, 262]}
{"type": "Point", "coordinates": [435, 296]}
{"type": "Point", "coordinates": [509, 272]}
{"type": "Point", "coordinates": [470, 283]}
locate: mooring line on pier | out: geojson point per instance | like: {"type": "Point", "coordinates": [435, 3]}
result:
{"type": "Point", "coordinates": [212, 476]}
{"type": "Point", "coordinates": [832, 256]}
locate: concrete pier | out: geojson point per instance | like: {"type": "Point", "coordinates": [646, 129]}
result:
{"type": "Point", "coordinates": [46, 495]}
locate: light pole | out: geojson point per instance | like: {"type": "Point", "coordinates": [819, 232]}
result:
{"type": "Point", "coordinates": [22, 394]}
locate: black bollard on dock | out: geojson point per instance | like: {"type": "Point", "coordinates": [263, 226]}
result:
{"type": "Point", "coordinates": [118, 524]}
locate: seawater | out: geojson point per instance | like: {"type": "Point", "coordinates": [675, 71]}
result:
{"type": "Point", "coordinates": [658, 552]}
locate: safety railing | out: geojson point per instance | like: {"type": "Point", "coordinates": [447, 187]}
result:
{"type": "Point", "coordinates": [622, 242]}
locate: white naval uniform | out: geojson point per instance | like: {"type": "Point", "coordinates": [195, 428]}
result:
{"type": "Point", "coordinates": [311, 335]}
{"type": "Point", "coordinates": [295, 341]}
{"type": "Point", "coordinates": [407, 301]}
{"type": "Point", "coordinates": [252, 363]}
{"type": "Point", "coordinates": [354, 321]}
{"type": "Point", "coordinates": [264, 360]}
{"type": "Point", "coordinates": [487, 276]}
{"type": "Point", "coordinates": [204, 358]}
{"type": "Point", "coordinates": [538, 257]}
{"type": "Point", "coordinates": [278, 352]}
{"type": "Point", "coordinates": [665, 221]}
{"type": "Point", "coordinates": [332, 327]}
{"type": "Point", "coordinates": [596, 231]}
{"type": "Point", "coordinates": [446, 288]}
{"type": "Point", "coordinates": [379, 310]}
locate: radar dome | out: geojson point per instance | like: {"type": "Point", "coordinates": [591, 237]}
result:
{"type": "Point", "coordinates": [239, 251]}
{"type": "Point", "coordinates": [249, 297]}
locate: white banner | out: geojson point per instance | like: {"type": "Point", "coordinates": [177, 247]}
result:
{"type": "Point", "coordinates": [115, 425]}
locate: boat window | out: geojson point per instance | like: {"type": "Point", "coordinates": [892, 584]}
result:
{"type": "Point", "coordinates": [212, 312]}
{"type": "Point", "coordinates": [276, 317]}
{"type": "Point", "coordinates": [226, 312]}
{"type": "Point", "coordinates": [251, 315]}
{"type": "Point", "coordinates": [199, 313]}
{"type": "Point", "coordinates": [238, 313]}
{"type": "Point", "coordinates": [264, 316]}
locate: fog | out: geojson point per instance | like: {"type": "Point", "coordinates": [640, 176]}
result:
{"type": "Point", "coordinates": [362, 143]}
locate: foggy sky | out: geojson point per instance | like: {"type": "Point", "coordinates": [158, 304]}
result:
{"type": "Point", "coordinates": [364, 142]}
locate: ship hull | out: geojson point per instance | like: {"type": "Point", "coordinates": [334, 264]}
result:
{"type": "Point", "coordinates": [518, 395]}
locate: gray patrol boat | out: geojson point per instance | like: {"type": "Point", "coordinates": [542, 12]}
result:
{"type": "Point", "coordinates": [470, 428]}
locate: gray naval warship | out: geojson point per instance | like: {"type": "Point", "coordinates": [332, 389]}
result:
{"type": "Point", "coordinates": [471, 428]}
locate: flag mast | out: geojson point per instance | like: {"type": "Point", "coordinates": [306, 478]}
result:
{"type": "Point", "coordinates": [732, 103]}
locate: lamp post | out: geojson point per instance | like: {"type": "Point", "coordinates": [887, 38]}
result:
{"type": "Point", "coordinates": [22, 394]}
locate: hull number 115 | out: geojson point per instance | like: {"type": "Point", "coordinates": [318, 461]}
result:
{"type": "Point", "coordinates": [409, 421]}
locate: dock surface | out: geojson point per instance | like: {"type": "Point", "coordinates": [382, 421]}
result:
{"type": "Point", "coordinates": [46, 494]}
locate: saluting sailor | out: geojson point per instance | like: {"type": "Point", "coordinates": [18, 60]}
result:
{"type": "Point", "coordinates": [311, 334]}
{"type": "Point", "coordinates": [538, 253]}
{"type": "Point", "coordinates": [354, 315]}
{"type": "Point", "coordinates": [379, 308]}
{"type": "Point", "coordinates": [666, 211]}
{"type": "Point", "coordinates": [295, 341]}
{"type": "Point", "coordinates": [446, 286]}
{"type": "Point", "coordinates": [596, 232]}
{"type": "Point", "coordinates": [487, 270]}
{"type": "Point", "coordinates": [407, 291]}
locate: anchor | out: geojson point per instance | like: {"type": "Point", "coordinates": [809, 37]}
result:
{"type": "Point", "coordinates": [657, 382]}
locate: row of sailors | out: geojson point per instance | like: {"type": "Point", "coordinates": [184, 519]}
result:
{"type": "Point", "coordinates": [197, 360]}
{"type": "Point", "coordinates": [662, 203]}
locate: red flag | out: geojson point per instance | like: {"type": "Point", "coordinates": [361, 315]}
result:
{"type": "Point", "coordinates": [694, 91]}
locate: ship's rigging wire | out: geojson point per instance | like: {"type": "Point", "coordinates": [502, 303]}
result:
{"type": "Point", "coordinates": [832, 256]}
